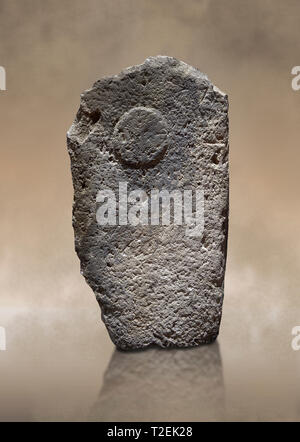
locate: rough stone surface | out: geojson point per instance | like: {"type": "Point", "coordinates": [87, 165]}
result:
{"type": "Point", "coordinates": [161, 124]}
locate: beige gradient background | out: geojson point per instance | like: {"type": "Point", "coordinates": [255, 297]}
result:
{"type": "Point", "coordinates": [59, 363]}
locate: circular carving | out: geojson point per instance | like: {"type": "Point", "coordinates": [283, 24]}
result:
{"type": "Point", "coordinates": [140, 137]}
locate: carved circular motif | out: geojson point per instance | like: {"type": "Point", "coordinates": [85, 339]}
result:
{"type": "Point", "coordinates": [140, 137]}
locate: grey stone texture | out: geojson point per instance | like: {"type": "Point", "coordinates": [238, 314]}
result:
{"type": "Point", "coordinates": [164, 125]}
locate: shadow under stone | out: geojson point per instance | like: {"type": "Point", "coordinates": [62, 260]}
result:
{"type": "Point", "coordinates": [162, 385]}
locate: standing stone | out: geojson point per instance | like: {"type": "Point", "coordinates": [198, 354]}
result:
{"type": "Point", "coordinates": [159, 125]}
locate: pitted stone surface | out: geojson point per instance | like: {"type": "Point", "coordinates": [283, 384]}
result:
{"type": "Point", "coordinates": [140, 137]}
{"type": "Point", "coordinates": [160, 125]}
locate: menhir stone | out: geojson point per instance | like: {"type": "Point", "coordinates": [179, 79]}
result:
{"type": "Point", "coordinates": [156, 134]}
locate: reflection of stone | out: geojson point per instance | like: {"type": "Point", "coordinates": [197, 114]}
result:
{"type": "Point", "coordinates": [162, 385]}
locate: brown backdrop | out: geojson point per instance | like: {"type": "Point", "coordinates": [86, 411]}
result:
{"type": "Point", "coordinates": [57, 348]}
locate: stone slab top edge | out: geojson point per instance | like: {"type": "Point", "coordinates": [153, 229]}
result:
{"type": "Point", "coordinates": [158, 61]}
